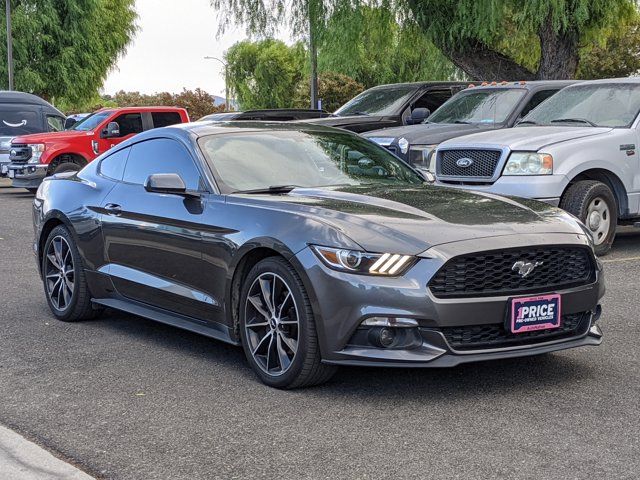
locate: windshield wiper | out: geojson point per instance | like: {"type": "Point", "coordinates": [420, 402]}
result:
{"type": "Point", "coordinates": [527, 122]}
{"type": "Point", "coordinates": [273, 189]}
{"type": "Point", "coordinates": [462, 122]}
{"type": "Point", "coordinates": [574, 120]}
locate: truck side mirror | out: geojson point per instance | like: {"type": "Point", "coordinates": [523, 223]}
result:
{"type": "Point", "coordinates": [112, 130]}
{"type": "Point", "coordinates": [418, 115]}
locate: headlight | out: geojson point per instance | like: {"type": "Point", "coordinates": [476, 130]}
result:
{"type": "Point", "coordinates": [403, 143]}
{"type": "Point", "coordinates": [529, 163]}
{"type": "Point", "coordinates": [356, 261]}
{"type": "Point", "coordinates": [423, 156]}
{"type": "Point", "coordinates": [37, 149]}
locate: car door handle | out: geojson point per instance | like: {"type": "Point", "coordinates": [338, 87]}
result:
{"type": "Point", "coordinates": [113, 209]}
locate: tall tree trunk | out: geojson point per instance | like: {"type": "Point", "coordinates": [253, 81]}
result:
{"type": "Point", "coordinates": [481, 62]}
{"type": "Point", "coordinates": [558, 53]}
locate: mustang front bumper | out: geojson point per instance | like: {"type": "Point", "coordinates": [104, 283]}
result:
{"type": "Point", "coordinates": [342, 301]}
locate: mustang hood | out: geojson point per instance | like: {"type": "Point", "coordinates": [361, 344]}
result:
{"type": "Point", "coordinates": [429, 133]}
{"type": "Point", "coordinates": [411, 220]}
{"type": "Point", "coordinates": [530, 138]}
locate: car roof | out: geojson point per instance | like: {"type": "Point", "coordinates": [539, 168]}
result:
{"type": "Point", "coordinates": [139, 109]}
{"type": "Point", "coordinates": [632, 80]}
{"type": "Point", "coordinates": [418, 85]}
{"type": "Point", "coordinates": [7, 96]}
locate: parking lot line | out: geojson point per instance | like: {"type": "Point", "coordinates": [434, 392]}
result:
{"type": "Point", "coordinates": [619, 260]}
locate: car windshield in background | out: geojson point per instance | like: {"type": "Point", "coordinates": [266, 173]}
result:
{"type": "Point", "coordinates": [481, 106]}
{"type": "Point", "coordinates": [260, 160]}
{"type": "Point", "coordinates": [17, 122]}
{"type": "Point", "coordinates": [595, 105]}
{"type": "Point", "coordinates": [91, 122]}
{"type": "Point", "coordinates": [378, 101]}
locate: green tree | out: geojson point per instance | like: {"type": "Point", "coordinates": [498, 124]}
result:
{"type": "Point", "coordinates": [265, 74]}
{"type": "Point", "coordinates": [198, 103]}
{"type": "Point", "coordinates": [63, 49]}
{"type": "Point", "coordinates": [514, 39]}
{"type": "Point", "coordinates": [334, 89]}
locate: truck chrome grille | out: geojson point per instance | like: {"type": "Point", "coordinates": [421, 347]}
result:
{"type": "Point", "coordinates": [492, 273]}
{"type": "Point", "coordinates": [483, 163]}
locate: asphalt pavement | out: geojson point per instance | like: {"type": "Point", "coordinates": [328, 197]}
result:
{"type": "Point", "coordinates": [125, 398]}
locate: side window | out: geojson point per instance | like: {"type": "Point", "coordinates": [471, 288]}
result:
{"type": "Point", "coordinates": [536, 100]}
{"type": "Point", "coordinates": [433, 99]}
{"type": "Point", "coordinates": [129, 123]}
{"type": "Point", "coordinates": [161, 155]}
{"type": "Point", "coordinates": [55, 123]}
{"type": "Point", "coordinates": [164, 119]}
{"type": "Point", "coordinates": [113, 165]}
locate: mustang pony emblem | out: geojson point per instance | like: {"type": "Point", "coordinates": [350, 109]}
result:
{"type": "Point", "coordinates": [525, 268]}
{"type": "Point", "coordinates": [15, 125]}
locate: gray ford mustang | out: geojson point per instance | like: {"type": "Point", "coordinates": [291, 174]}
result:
{"type": "Point", "coordinates": [312, 247]}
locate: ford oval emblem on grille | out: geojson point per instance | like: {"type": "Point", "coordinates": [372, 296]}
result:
{"type": "Point", "coordinates": [13, 153]}
{"type": "Point", "coordinates": [525, 268]}
{"type": "Point", "coordinates": [464, 162]}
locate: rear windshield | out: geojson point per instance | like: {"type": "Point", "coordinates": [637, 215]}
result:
{"type": "Point", "coordinates": [14, 122]}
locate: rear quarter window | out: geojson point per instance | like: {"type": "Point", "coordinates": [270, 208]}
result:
{"type": "Point", "coordinates": [113, 165]}
{"type": "Point", "coordinates": [164, 119]}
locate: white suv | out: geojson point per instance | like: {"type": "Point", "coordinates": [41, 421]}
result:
{"type": "Point", "coordinates": [578, 150]}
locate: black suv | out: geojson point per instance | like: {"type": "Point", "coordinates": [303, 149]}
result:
{"type": "Point", "coordinates": [475, 109]}
{"type": "Point", "coordinates": [391, 105]}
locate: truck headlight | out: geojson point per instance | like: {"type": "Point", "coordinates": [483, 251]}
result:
{"type": "Point", "coordinates": [529, 163]}
{"type": "Point", "coordinates": [356, 261]}
{"type": "Point", "coordinates": [37, 149]}
{"type": "Point", "coordinates": [423, 155]}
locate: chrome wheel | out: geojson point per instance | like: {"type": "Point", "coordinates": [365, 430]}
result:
{"type": "Point", "coordinates": [59, 273]}
{"type": "Point", "coordinates": [271, 324]}
{"type": "Point", "coordinates": [598, 220]}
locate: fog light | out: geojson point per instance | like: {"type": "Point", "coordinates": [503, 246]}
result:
{"type": "Point", "coordinates": [386, 336]}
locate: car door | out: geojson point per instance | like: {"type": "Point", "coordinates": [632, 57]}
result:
{"type": "Point", "coordinates": [130, 124]}
{"type": "Point", "coordinates": [153, 241]}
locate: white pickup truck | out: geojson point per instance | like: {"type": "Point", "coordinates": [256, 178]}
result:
{"type": "Point", "coordinates": [578, 150]}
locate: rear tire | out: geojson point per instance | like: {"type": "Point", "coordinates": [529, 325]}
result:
{"type": "Point", "coordinates": [63, 277]}
{"type": "Point", "coordinates": [277, 327]}
{"type": "Point", "coordinates": [66, 167]}
{"type": "Point", "coordinates": [595, 205]}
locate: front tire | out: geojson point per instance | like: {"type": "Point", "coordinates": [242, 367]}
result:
{"type": "Point", "coordinates": [595, 205]}
{"type": "Point", "coordinates": [63, 277]}
{"type": "Point", "coordinates": [277, 327]}
{"type": "Point", "coordinates": [66, 167]}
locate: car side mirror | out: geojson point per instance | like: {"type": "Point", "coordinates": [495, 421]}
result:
{"type": "Point", "coordinates": [169, 184]}
{"type": "Point", "coordinates": [427, 176]}
{"type": "Point", "coordinates": [69, 123]}
{"type": "Point", "coordinates": [112, 130]}
{"type": "Point", "coordinates": [418, 115]}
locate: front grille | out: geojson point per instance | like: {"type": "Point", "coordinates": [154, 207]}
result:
{"type": "Point", "coordinates": [477, 337]}
{"type": "Point", "coordinates": [20, 153]}
{"type": "Point", "coordinates": [484, 163]}
{"type": "Point", "coordinates": [492, 272]}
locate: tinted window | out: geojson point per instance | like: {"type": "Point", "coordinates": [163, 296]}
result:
{"type": "Point", "coordinates": [164, 119]}
{"type": "Point", "coordinates": [55, 123]}
{"type": "Point", "coordinates": [17, 121]}
{"type": "Point", "coordinates": [433, 99]}
{"type": "Point", "coordinates": [129, 123]}
{"type": "Point", "coordinates": [536, 100]}
{"type": "Point", "coordinates": [257, 160]}
{"type": "Point", "coordinates": [161, 155]}
{"type": "Point", "coordinates": [113, 165]}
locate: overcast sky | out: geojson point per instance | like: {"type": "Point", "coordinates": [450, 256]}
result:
{"type": "Point", "coordinates": [167, 53]}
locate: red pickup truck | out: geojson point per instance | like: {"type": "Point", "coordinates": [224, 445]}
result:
{"type": "Point", "coordinates": [34, 157]}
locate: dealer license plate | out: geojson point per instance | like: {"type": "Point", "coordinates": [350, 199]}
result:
{"type": "Point", "coordinates": [535, 313]}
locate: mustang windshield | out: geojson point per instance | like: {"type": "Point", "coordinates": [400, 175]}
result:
{"type": "Point", "coordinates": [489, 106]}
{"type": "Point", "coordinates": [258, 160]}
{"type": "Point", "coordinates": [595, 105]}
{"type": "Point", "coordinates": [378, 101]}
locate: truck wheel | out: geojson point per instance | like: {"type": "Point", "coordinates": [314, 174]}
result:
{"type": "Point", "coordinates": [595, 205]}
{"type": "Point", "coordinates": [66, 167]}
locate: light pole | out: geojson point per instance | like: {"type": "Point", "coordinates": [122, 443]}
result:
{"type": "Point", "coordinates": [9, 45]}
{"type": "Point", "coordinates": [226, 79]}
